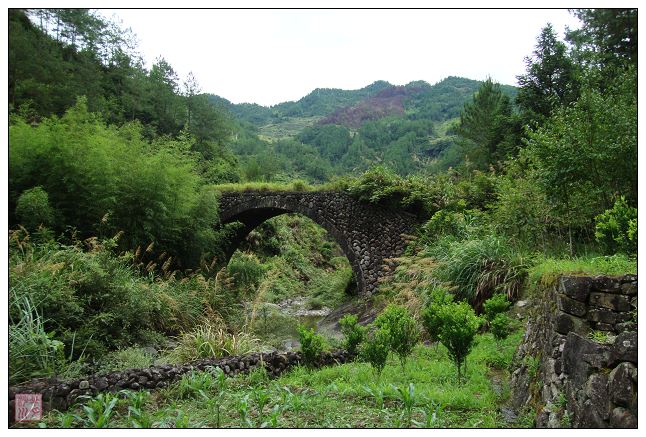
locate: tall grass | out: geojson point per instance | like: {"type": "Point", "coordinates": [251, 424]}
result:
{"type": "Point", "coordinates": [479, 268]}
{"type": "Point", "coordinates": [211, 340]}
{"type": "Point", "coordinates": [32, 351]}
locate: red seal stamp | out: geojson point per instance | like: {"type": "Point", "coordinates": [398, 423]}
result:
{"type": "Point", "coordinates": [29, 407]}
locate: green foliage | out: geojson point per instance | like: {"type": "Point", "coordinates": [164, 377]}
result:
{"type": "Point", "coordinates": [375, 349]}
{"type": "Point", "coordinates": [353, 333]}
{"type": "Point", "coordinates": [500, 326]}
{"type": "Point", "coordinates": [312, 345]}
{"type": "Point", "coordinates": [487, 126]}
{"type": "Point", "coordinates": [431, 319]}
{"type": "Point", "coordinates": [211, 340]}
{"type": "Point", "coordinates": [381, 185]}
{"type": "Point", "coordinates": [122, 359]}
{"type": "Point", "coordinates": [459, 325]}
{"type": "Point", "coordinates": [495, 305]}
{"type": "Point", "coordinates": [104, 180]}
{"type": "Point", "coordinates": [585, 154]}
{"type": "Point", "coordinates": [33, 209]}
{"type": "Point", "coordinates": [33, 351]}
{"type": "Point", "coordinates": [98, 411]}
{"type": "Point", "coordinates": [246, 270]}
{"type": "Point", "coordinates": [616, 228]}
{"type": "Point", "coordinates": [402, 329]}
{"type": "Point", "coordinates": [550, 80]}
{"type": "Point", "coordinates": [479, 268]}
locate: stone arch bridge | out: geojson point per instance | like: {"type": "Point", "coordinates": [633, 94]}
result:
{"type": "Point", "coordinates": [367, 233]}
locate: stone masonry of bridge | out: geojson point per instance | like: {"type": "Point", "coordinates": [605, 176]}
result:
{"type": "Point", "coordinates": [367, 233]}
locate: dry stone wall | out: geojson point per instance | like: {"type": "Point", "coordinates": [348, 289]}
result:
{"type": "Point", "coordinates": [368, 234]}
{"type": "Point", "coordinates": [60, 395]}
{"type": "Point", "coordinates": [577, 365]}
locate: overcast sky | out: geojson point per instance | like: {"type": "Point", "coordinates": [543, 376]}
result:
{"type": "Point", "coordinates": [271, 56]}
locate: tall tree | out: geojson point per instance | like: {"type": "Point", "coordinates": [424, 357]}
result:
{"type": "Point", "coordinates": [607, 36]}
{"type": "Point", "coordinates": [550, 80]}
{"type": "Point", "coordinates": [486, 126]}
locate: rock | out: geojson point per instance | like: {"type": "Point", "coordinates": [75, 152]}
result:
{"type": "Point", "coordinates": [625, 347]}
{"type": "Point", "coordinates": [101, 383]}
{"type": "Point", "coordinates": [606, 284]}
{"type": "Point", "coordinates": [576, 287]}
{"type": "Point", "coordinates": [591, 417]}
{"type": "Point", "coordinates": [612, 301]}
{"type": "Point", "coordinates": [84, 385]}
{"type": "Point", "coordinates": [596, 389]}
{"type": "Point", "coordinates": [571, 306]}
{"type": "Point", "coordinates": [626, 326]}
{"type": "Point", "coordinates": [622, 418]}
{"type": "Point", "coordinates": [629, 289]}
{"type": "Point", "coordinates": [602, 315]}
{"type": "Point", "coordinates": [581, 356]}
{"type": "Point", "coordinates": [566, 323]}
{"type": "Point", "coordinates": [508, 415]}
{"type": "Point", "coordinates": [621, 386]}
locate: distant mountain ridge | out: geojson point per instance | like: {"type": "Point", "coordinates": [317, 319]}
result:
{"type": "Point", "coordinates": [351, 108]}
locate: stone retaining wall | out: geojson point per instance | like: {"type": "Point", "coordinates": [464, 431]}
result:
{"type": "Point", "coordinates": [60, 395]}
{"type": "Point", "coordinates": [577, 365]}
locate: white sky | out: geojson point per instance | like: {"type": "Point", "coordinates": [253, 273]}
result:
{"type": "Point", "coordinates": [271, 56]}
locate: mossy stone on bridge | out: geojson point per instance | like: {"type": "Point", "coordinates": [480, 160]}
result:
{"type": "Point", "coordinates": [367, 233]}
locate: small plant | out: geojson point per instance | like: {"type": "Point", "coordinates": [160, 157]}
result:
{"type": "Point", "coordinates": [261, 399]}
{"type": "Point", "coordinates": [137, 417]}
{"type": "Point", "coordinates": [432, 414]}
{"type": "Point", "coordinates": [352, 332]}
{"type": "Point", "coordinates": [98, 410]}
{"type": "Point", "coordinates": [533, 364]}
{"type": "Point", "coordinates": [600, 336]}
{"type": "Point", "coordinates": [377, 393]}
{"type": "Point", "coordinates": [459, 327]}
{"type": "Point", "coordinates": [402, 329]}
{"type": "Point", "coordinates": [195, 385]}
{"type": "Point", "coordinates": [495, 305]}
{"type": "Point", "coordinates": [430, 314]}
{"type": "Point", "coordinates": [243, 409]}
{"type": "Point", "coordinates": [407, 397]}
{"type": "Point", "coordinates": [375, 349]}
{"type": "Point", "coordinates": [312, 345]}
{"type": "Point", "coordinates": [500, 327]}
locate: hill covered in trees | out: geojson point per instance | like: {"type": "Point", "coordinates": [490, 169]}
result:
{"type": "Point", "coordinates": [115, 173]}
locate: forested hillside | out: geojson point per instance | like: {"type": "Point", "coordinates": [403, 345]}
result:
{"type": "Point", "coordinates": [116, 252]}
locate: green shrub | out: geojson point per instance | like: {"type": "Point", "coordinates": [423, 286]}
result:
{"type": "Point", "coordinates": [122, 359]}
{"type": "Point", "coordinates": [312, 345]}
{"type": "Point", "coordinates": [402, 328]}
{"type": "Point", "coordinates": [430, 314]}
{"type": "Point", "coordinates": [459, 327]}
{"type": "Point", "coordinates": [444, 222]}
{"type": "Point", "coordinates": [375, 349]}
{"type": "Point", "coordinates": [616, 228]}
{"type": "Point", "coordinates": [495, 305]}
{"type": "Point", "coordinates": [211, 340]}
{"type": "Point", "coordinates": [500, 326]}
{"type": "Point", "coordinates": [315, 303]}
{"type": "Point", "coordinates": [481, 267]}
{"type": "Point", "coordinates": [246, 270]}
{"type": "Point", "coordinates": [353, 333]}
{"type": "Point", "coordinates": [33, 209]}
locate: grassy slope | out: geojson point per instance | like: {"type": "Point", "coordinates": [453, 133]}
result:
{"type": "Point", "coordinates": [348, 395]}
